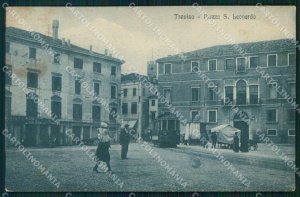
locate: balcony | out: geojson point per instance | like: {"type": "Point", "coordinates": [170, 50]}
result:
{"type": "Point", "coordinates": [214, 102]}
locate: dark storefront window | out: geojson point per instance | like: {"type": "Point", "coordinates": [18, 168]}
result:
{"type": "Point", "coordinates": [96, 113]}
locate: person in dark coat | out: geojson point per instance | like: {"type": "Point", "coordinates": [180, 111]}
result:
{"type": "Point", "coordinates": [124, 141]}
{"type": "Point", "coordinates": [102, 152]}
{"type": "Point", "coordinates": [236, 142]}
{"type": "Point", "coordinates": [214, 138]}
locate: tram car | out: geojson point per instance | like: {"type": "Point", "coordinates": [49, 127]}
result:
{"type": "Point", "coordinates": [167, 131]}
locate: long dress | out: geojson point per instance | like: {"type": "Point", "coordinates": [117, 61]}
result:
{"type": "Point", "coordinates": [102, 152]}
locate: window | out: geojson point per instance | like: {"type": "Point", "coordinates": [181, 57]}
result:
{"type": "Point", "coordinates": [195, 94]}
{"type": "Point", "coordinates": [96, 67]}
{"type": "Point", "coordinates": [96, 113]}
{"type": "Point", "coordinates": [144, 92]}
{"type": "Point", "coordinates": [32, 79]}
{"type": "Point", "coordinates": [164, 125]}
{"type": "Point", "coordinates": [292, 89]}
{"type": "Point", "coordinates": [272, 94]}
{"type": "Point", "coordinates": [291, 115]}
{"type": "Point", "coordinates": [167, 94]}
{"type": "Point", "coordinates": [241, 92]}
{"type": "Point", "coordinates": [253, 62]}
{"type": "Point", "coordinates": [253, 89]}
{"type": "Point", "coordinates": [212, 65]}
{"type": "Point", "coordinates": [113, 114]}
{"type": "Point", "coordinates": [31, 107]}
{"type": "Point", "coordinates": [229, 94]}
{"type": "Point", "coordinates": [291, 132]}
{"type": "Point", "coordinates": [113, 92]}
{"type": "Point", "coordinates": [56, 83]}
{"type": "Point", "coordinates": [212, 116]}
{"type": "Point", "coordinates": [195, 115]}
{"type": "Point", "coordinates": [292, 59]}
{"type": "Point", "coordinates": [124, 108]}
{"type": "Point", "coordinates": [152, 102]}
{"type": "Point", "coordinates": [125, 92]}
{"type": "Point", "coordinates": [230, 64]}
{"type": "Point", "coordinates": [56, 108]}
{"type": "Point", "coordinates": [32, 53]}
{"type": "Point", "coordinates": [240, 64]}
{"type": "Point", "coordinates": [271, 115]}
{"type": "Point", "coordinates": [134, 108]}
{"type": "Point", "coordinates": [78, 63]}
{"type": "Point", "coordinates": [77, 111]}
{"type": "Point", "coordinates": [7, 75]}
{"type": "Point", "coordinates": [77, 86]}
{"type": "Point", "coordinates": [56, 59]}
{"type": "Point", "coordinates": [113, 71]}
{"type": "Point", "coordinates": [153, 115]}
{"type": "Point", "coordinates": [97, 88]}
{"type": "Point", "coordinates": [271, 132]}
{"type": "Point", "coordinates": [194, 66]}
{"type": "Point", "coordinates": [272, 60]}
{"type": "Point", "coordinates": [134, 92]}
{"type": "Point", "coordinates": [7, 47]}
{"type": "Point", "coordinates": [212, 95]}
{"type": "Point", "coordinates": [167, 68]}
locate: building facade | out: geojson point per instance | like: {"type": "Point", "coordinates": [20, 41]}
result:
{"type": "Point", "coordinates": [228, 85]}
{"type": "Point", "coordinates": [72, 88]}
{"type": "Point", "coordinates": [135, 102]}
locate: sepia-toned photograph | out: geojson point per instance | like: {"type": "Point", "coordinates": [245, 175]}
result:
{"type": "Point", "coordinates": [150, 99]}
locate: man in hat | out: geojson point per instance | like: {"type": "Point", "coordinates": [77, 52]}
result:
{"type": "Point", "coordinates": [102, 152]}
{"type": "Point", "coordinates": [124, 141]}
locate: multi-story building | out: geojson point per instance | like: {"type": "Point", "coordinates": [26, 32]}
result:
{"type": "Point", "coordinates": [52, 99]}
{"type": "Point", "coordinates": [135, 103]}
{"type": "Point", "coordinates": [201, 86]}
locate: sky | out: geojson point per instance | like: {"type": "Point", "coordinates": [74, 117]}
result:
{"type": "Point", "coordinates": [137, 42]}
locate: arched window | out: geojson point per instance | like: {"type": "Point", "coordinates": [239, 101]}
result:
{"type": "Point", "coordinates": [241, 92]}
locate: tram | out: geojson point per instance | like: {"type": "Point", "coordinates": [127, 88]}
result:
{"type": "Point", "coordinates": [167, 131]}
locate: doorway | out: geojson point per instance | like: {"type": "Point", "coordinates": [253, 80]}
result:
{"type": "Point", "coordinates": [244, 127]}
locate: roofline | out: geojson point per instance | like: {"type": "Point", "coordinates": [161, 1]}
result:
{"type": "Point", "coordinates": [167, 58]}
{"type": "Point", "coordinates": [94, 54]}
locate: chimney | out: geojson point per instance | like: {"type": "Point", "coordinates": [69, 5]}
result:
{"type": "Point", "coordinates": [106, 52]}
{"type": "Point", "coordinates": [69, 42]}
{"type": "Point", "coordinates": [55, 25]}
{"type": "Point", "coordinates": [91, 48]}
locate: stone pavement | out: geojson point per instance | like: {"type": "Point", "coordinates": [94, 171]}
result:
{"type": "Point", "coordinates": [263, 156]}
{"type": "Point", "coordinates": [140, 172]}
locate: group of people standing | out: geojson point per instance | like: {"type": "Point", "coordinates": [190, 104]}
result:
{"type": "Point", "coordinates": [102, 152]}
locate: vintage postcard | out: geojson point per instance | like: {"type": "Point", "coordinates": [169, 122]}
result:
{"type": "Point", "coordinates": [166, 98]}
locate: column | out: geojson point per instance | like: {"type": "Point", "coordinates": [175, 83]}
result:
{"type": "Point", "coordinates": [81, 133]}
{"type": "Point", "coordinates": [247, 95]}
{"type": "Point", "coordinates": [38, 132]}
{"type": "Point", "coordinates": [91, 130]}
{"type": "Point", "coordinates": [61, 129]}
{"type": "Point", "coordinates": [49, 133]}
{"type": "Point", "coordinates": [234, 95]}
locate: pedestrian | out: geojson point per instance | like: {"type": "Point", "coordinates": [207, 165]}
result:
{"type": "Point", "coordinates": [236, 142]}
{"type": "Point", "coordinates": [102, 152]}
{"type": "Point", "coordinates": [214, 138]}
{"type": "Point", "coordinates": [124, 141]}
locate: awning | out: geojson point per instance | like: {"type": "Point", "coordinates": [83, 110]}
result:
{"type": "Point", "coordinates": [225, 133]}
{"type": "Point", "coordinates": [224, 127]}
{"type": "Point", "coordinates": [131, 123]}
